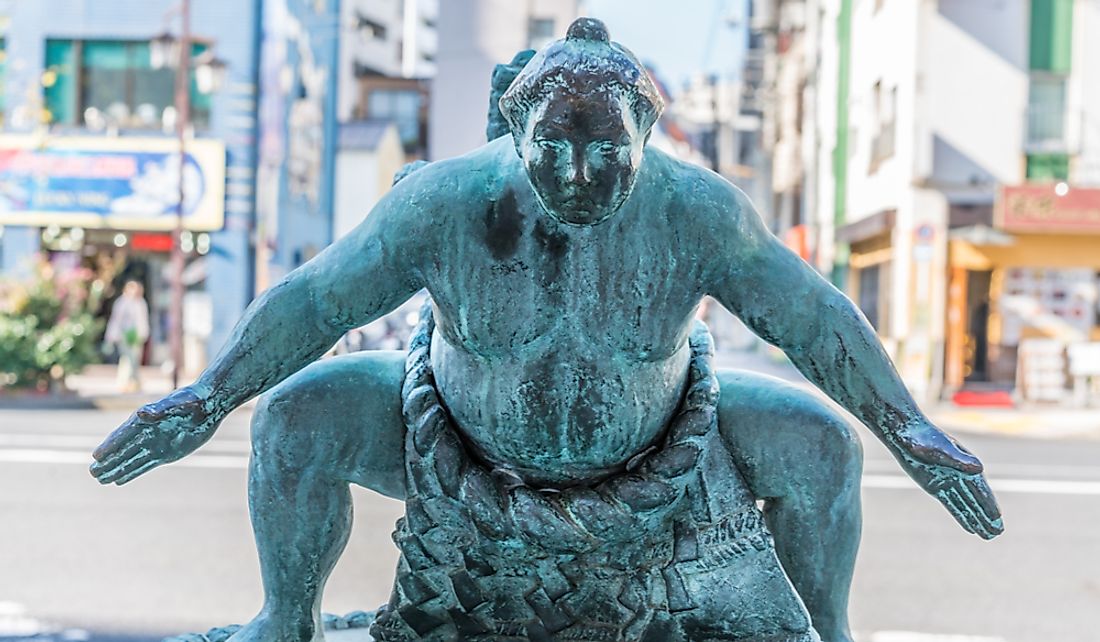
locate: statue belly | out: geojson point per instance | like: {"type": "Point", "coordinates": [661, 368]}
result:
{"type": "Point", "coordinates": [558, 416]}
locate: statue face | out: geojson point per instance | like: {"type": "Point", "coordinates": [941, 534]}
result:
{"type": "Point", "coordinates": [582, 151]}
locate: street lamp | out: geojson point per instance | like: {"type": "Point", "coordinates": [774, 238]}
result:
{"type": "Point", "coordinates": [165, 50]}
{"type": "Point", "coordinates": [210, 72]}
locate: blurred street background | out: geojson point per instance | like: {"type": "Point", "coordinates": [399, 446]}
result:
{"type": "Point", "coordinates": [937, 160]}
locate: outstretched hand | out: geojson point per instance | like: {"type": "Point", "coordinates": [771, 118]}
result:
{"type": "Point", "coordinates": [158, 433]}
{"type": "Point", "coordinates": [952, 475]}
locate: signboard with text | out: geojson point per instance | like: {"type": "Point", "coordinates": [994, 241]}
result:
{"type": "Point", "coordinates": [1048, 208]}
{"type": "Point", "coordinates": [118, 183]}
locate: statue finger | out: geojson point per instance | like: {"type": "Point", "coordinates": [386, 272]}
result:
{"type": "Point", "coordinates": [979, 494]}
{"type": "Point", "coordinates": [139, 471]}
{"type": "Point", "coordinates": [941, 450]}
{"type": "Point", "coordinates": [125, 467]}
{"type": "Point", "coordinates": [121, 437]}
{"type": "Point", "coordinates": [976, 520]}
{"type": "Point", "coordinates": [951, 498]}
{"type": "Point", "coordinates": [121, 453]}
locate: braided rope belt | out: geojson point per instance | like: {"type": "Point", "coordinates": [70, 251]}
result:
{"type": "Point", "coordinates": [671, 548]}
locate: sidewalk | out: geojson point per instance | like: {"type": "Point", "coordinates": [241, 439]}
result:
{"type": "Point", "coordinates": [96, 387]}
{"type": "Point", "coordinates": [1032, 421]}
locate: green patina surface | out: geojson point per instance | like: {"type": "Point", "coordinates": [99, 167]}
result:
{"type": "Point", "coordinates": [572, 468]}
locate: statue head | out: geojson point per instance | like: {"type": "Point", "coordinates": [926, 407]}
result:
{"type": "Point", "coordinates": [580, 113]}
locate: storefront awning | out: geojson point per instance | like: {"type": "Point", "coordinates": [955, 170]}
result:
{"type": "Point", "coordinates": [986, 250]}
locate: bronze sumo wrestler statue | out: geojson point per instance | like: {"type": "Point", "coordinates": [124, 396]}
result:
{"type": "Point", "coordinates": [572, 466]}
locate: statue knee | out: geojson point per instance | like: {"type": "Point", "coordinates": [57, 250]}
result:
{"type": "Point", "coordinates": [837, 449]}
{"type": "Point", "coordinates": [281, 429]}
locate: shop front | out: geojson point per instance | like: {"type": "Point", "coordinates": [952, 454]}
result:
{"type": "Point", "coordinates": [1023, 293]}
{"type": "Point", "coordinates": [110, 205]}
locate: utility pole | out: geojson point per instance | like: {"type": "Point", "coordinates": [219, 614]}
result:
{"type": "Point", "coordinates": [183, 118]}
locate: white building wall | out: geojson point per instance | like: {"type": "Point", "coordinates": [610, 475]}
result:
{"type": "Point", "coordinates": [972, 109]}
{"type": "Point", "coordinates": [408, 48]}
{"type": "Point", "coordinates": [1084, 98]}
{"type": "Point", "coordinates": [363, 176]}
{"type": "Point", "coordinates": [420, 39]}
{"type": "Point", "coordinates": [475, 35]}
{"type": "Point", "coordinates": [960, 72]}
{"type": "Point", "coordinates": [821, 28]}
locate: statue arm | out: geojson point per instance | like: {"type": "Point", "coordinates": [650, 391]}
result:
{"type": "Point", "coordinates": [788, 304]}
{"type": "Point", "coordinates": [352, 282]}
{"type": "Point", "coordinates": [356, 280]}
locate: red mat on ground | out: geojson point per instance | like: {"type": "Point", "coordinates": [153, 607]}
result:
{"type": "Point", "coordinates": [987, 398]}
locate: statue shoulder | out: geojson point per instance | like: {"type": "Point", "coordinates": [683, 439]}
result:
{"type": "Point", "coordinates": [443, 188]}
{"type": "Point", "coordinates": [701, 196]}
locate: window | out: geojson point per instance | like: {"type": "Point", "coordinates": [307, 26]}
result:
{"type": "Point", "coordinates": [1049, 57]}
{"type": "Point", "coordinates": [401, 106]}
{"type": "Point", "coordinates": [882, 145]}
{"type": "Point", "coordinates": [371, 28]}
{"type": "Point", "coordinates": [874, 294]}
{"type": "Point", "coordinates": [100, 83]}
{"type": "Point", "coordinates": [1047, 167]}
{"type": "Point", "coordinates": [540, 31]}
{"type": "Point", "coordinates": [1046, 111]}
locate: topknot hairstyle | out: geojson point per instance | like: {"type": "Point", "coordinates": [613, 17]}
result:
{"type": "Point", "coordinates": [588, 60]}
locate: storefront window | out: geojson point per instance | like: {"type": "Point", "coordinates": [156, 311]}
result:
{"type": "Point", "coordinates": [102, 83]}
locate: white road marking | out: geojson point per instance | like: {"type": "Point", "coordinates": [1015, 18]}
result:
{"type": "Point", "coordinates": [1040, 471]}
{"type": "Point", "coordinates": [1035, 486]}
{"type": "Point", "coordinates": [240, 461]}
{"type": "Point", "coordinates": [42, 456]}
{"type": "Point", "coordinates": [14, 623]}
{"type": "Point", "coordinates": [909, 636]}
{"type": "Point", "coordinates": [90, 442]}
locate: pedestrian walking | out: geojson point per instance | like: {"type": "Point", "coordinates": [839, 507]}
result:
{"type": "Point", "coordinates": [127, 329]}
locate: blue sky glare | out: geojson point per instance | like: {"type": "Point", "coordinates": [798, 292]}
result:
{"type": "Point", "coordinates": [677, 37]}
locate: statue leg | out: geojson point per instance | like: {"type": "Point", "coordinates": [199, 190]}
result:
{"type": "Point", "coordinates": [334, 423]}
{"type": "Point", "coordinates": [804, 460]}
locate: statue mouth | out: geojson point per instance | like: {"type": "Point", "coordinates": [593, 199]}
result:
{"type": "Point", "coordinates": [584, 214]}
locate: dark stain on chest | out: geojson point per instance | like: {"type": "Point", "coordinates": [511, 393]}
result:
{"type": "Point", "coordinates": [553, 245]}
{"type": "Point", "coordinates": [503, 227]}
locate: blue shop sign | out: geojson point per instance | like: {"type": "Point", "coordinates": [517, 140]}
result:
{"type": "Point", "coordinates": [117, 183]}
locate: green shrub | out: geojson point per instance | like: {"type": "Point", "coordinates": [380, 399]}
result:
{"type": "Point", "coordinates": [47, 327]}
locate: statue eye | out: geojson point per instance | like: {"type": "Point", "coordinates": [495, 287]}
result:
{"type": "Point", "coordinates": [605, 147]}
{"type": "Point", "coordinates": [549, 143]}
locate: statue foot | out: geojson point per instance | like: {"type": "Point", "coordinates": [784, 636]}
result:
{"type": "Point", "coordinates": [265, 628]}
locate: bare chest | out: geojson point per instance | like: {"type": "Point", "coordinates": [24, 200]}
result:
{"type": "Point", "coordinates": [513, 279]}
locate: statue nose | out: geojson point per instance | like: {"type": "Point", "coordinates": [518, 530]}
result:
{"type": "Point", "coordinates": [581, 174]}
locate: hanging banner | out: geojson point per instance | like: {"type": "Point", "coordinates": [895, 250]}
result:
{"type": "Point", "coordinates": [117, 183]}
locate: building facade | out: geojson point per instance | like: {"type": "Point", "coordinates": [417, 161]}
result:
{"type": "Point", "coordinates": [88, 119]}
{"type": "Point", "coordinates": [947, 166]}
{"type": "Point", "coordinates": [476, 35]}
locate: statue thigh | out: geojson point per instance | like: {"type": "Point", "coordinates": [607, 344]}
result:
{"type": "Point", "coordinates": [338, 418]}
{"type": "Point", "coordinates": [788, 443]}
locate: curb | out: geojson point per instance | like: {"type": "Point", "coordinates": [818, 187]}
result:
{"type": "Point", "coordinates": [1020, 424]}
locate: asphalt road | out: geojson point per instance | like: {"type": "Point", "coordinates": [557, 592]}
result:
{"type": "Point", "coordinates": [173, 551]}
